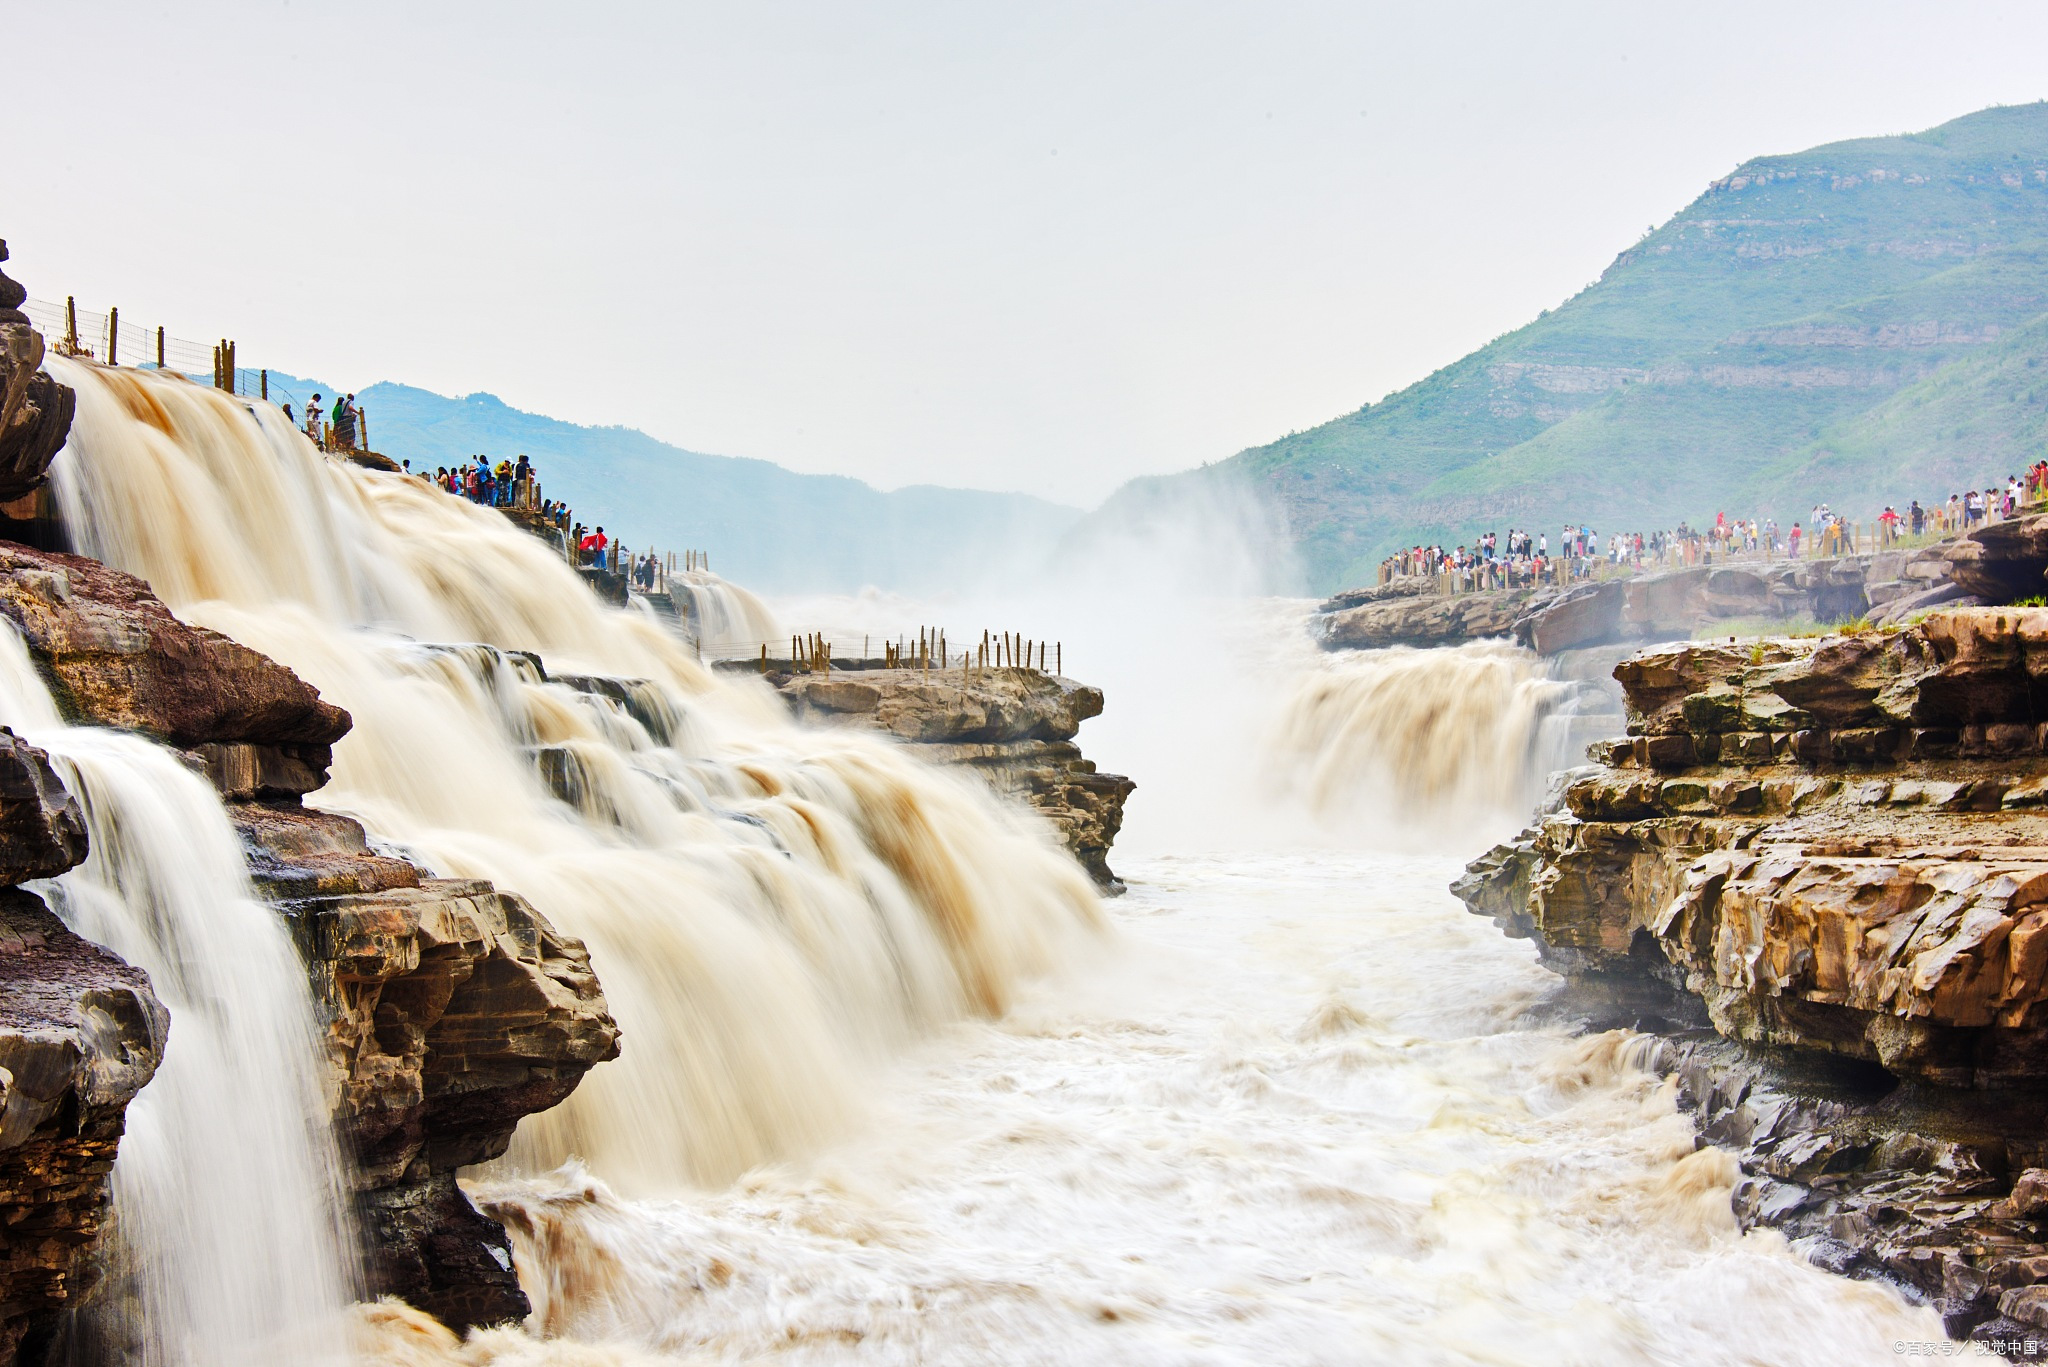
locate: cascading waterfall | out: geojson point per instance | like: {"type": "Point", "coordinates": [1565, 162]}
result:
{"type": "Point", "coordinates": [725, 619]}
{"type": "Point", "coordinates": [770, 910]}
{"type": "Point", "coordinates": [233, 1245]}
{"type": "Point", "coordinates": [1413, 736]}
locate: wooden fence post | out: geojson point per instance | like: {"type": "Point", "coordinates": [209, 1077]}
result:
{"type": "Point", "coordinates": [159, 348]}
{"type": "Point", "coordinates": [70, 325]}
{"type": "Point", "coordinates": [113, 335]}
{"type": "Point", "coordinates": [264, 380]}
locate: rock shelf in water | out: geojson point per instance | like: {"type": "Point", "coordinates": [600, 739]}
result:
{"type": "Point", "coordinates": [1012, 727]}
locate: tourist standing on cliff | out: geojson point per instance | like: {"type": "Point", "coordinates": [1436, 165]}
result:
{"type": "Point", "coordinates": [1792, 541]}
{"type": "Point", "coordinates": [345, 423]}
{"type": "Point", "coordinates": [313, 420]}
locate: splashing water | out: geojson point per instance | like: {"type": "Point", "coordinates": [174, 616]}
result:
{"type": "Point", "coordinates": [725, 620]}
{"type": "Point", "coordinates": [1298, 1119]}
{"type": "Point", "coordinates": [1433, 738]}
{"type": "Point", "coordinates": [232, 1240]}
{"type": "Point", "coordinates": [772, 912]}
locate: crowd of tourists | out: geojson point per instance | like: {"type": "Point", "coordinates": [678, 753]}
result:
{"type": "Point", "coordinates": [1520, 557]}
{"type": "Point", "coordinates": [508, 484]}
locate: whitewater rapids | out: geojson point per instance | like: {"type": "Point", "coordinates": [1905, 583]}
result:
{"type": "Point", "coordinates": [1295, 1119]}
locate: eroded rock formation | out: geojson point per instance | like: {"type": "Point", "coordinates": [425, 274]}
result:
{"type": "Point", "coordinates": [1672, 604]}
{"type": "Point", "coordinates": [113, 653]}
{"type": "Point", "coordinates": [1013, 727]}
{"type": "Point", "coordinates": [454, 1009]}
{"type": "Point", "coordinates": [80, 1033]}
{"type": "Point", "coordinates": [1835, 850]}
{"type": "Point", "coordinates": [35, 411]}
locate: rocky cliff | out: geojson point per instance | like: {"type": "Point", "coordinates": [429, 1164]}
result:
{"type": "Point", "coordinates": [1013, 727]}
{"type": "Point", "coordinates": [1672, 604]}
{"type": "Point", "coordinates": [1834, 851]}
{"type": "Point", "coordinates": [452, 1008]}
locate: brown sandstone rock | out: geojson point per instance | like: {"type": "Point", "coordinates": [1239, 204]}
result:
{"type": "Point", "coordinates": [1428, 618]}
{"type": "Point", "coordinates": [42, 831]}
{"type": "Point", "coordinates": [80, 1033]}
{"type": "Point", "coordinates": [1867, 890]}
{"type": "Point", "coordinates": [114, 655]}
{"type": "Point", "coordinates": [1013, 727]}
{"type": "Point", "coordinates": [2002, 562]}
{"type": "Point", "coordinates": [453, 1010]}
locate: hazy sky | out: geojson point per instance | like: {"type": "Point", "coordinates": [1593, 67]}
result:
{"type": "Point", "coordinates": [1026, 246]}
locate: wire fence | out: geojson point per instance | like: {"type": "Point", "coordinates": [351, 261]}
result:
{"type": "Point", "coordinates": [105, 336]}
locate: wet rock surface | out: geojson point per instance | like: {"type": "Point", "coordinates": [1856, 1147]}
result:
{"type": "Point", "coordinates": [115, 656]}
{"type": "Point", "coordinates": [42, 831]}
{"type": "Point", "coordinates": [452, 1010]}
{"type": "Point", "coordinates": [80, 1034]}
{"type": "Point", "coordinates": [1012, 727]}
{"type": "Point", "coordinates": [1416, 612]}
{"type": "Point", "coordinates": [1833, 852]}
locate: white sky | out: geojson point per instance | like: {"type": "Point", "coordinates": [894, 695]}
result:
{"type": "Point", "coordinates": [1022, 246]}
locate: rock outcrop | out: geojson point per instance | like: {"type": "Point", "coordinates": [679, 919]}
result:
{"type": "Point", "coordinates": [1835, 851]}
{"type": "Point", "coordinates": [1672, 604]}
{"type": "Point", "coordinates": [35, 411]}
{"type": "Point", "coordinates": [2002, 562]}
{"type": "Point", "coordinates": [80, 1033]}
{"type": "Point", "coordinates": [453, 1010]}
{"type": "Point", "coordinates": [113, 653]}
{"type": "Point", "coordinates": [1013, 727]}
{"type": "Point", "coordinates": [1417, 612]}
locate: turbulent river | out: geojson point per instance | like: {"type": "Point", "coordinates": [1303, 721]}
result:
{"type": "Point", "coordinates": [895, 1087]}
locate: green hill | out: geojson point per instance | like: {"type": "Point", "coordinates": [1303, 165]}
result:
{"type": "Point", "coordinates": [1858, 323]}
{"type": "Point", "coordinates": [764, 526]}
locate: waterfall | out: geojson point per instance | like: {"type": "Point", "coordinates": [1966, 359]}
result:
{"type": "Point", "coordinates": [1413, 737]}
{"type": "Point", "coordinates": [726, 620]}
{"type": "Point", "coordinates": [232, 1242]}
{"type": "Point", "coordinates": [772, 910]}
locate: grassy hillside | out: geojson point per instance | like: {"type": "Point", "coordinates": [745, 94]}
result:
{"type": "Point", "coordinates": [767, 527]}
{"type": "Point", "coordinates": [1824, 325]}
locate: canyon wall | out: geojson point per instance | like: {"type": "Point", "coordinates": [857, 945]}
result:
{"type": "Point", "coordinates": [1834, 852]}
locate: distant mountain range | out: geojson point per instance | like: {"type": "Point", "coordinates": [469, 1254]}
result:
{"type": "Point", "coordinates": [1862, 323]}
{"type": "Point", "coordinates": [766, 527]}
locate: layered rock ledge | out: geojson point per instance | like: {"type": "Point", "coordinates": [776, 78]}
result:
{"type": "Point", "coordinates": [1834, 852]}
{"type": "Point", "coordinates": [1883, 586]}
{"type": "Point", "coordinates": [1014, 727]}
